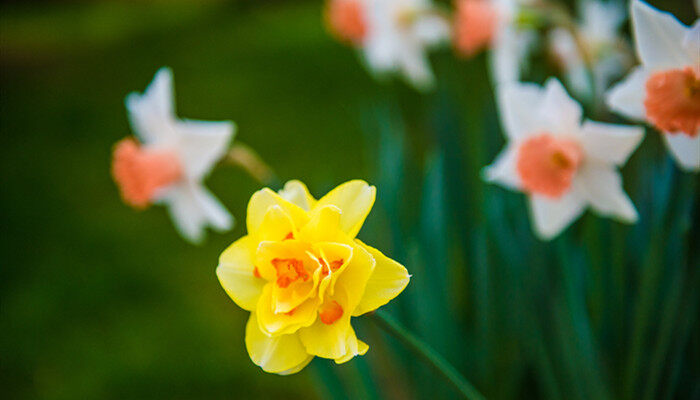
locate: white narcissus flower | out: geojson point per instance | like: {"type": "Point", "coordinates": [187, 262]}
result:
{"type": "Point", "coordinates": [393, 36]}
{"type": "Point", "coordinates": [603, 46]}
{"type": "Point", "coordinates": [170, 160]}
{"type": "Point", "coordinates": [564, 165]}
{"type": "Point", "coordinates": [493, 23]}
{"type": "Point", "coordinates": [665, 89]}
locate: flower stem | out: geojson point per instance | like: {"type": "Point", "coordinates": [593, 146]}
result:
{"type": "Point", "coordinates": [559, 16]}
{"type": "Point", "coordinates": [245, 157]}
{"type": "Point", "coordinates": [427, 353]}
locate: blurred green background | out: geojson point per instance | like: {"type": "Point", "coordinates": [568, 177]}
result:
{"type": "Point", "coordinates": [99, 301]}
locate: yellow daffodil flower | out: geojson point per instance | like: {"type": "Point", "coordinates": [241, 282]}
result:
{"type": "Point", "coordinates": [302, 274]}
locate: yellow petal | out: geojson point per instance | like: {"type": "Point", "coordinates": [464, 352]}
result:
{"type": "Point", "coordinates": [262, 200]}
{"type": "Point", "coordinates": [275, 226]}
{"type": "Point", "coordinates": [296, 192]}
{"type": "Point", "coordinates": [328, 340]}
{"type": "Point", "coordinates": [355, 200]}
{"type": "Point", "coordinates": [284, 323]}
{"type": "Point", "coordinates": [386, 282]}
{"type": "Point", "coordinates": [331, 340]}
{"type": "Point", "coordinates": [323, 226]}
{"type": "Point", "coordinates": [354, 347]}
{"type": "Point", "coordinates": [297, 368]}
{"type": "Point", "coordinates": [236, 274]}
{"type": "Point", "coordinates": [355, 277]}
{"type": "Point", "coordinates": [282, 354]}
{"type": "Point", "coordinates": [289, 298]}
{"type": "Point", "coordinates": [337, 257]}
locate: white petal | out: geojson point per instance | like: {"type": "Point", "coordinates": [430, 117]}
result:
{"type": "Point", "coordinates": [192, 207]}
{"type": "Point", "coordinates": [691, 42]}
{"type": "Point", "coordinates": [558, 111]}
{"type": "Point", "coordinates": [659, 37]}
{"type": "Point", "coordinates": [551, 216]}
{"type": "Point", "coordinates": [517, 102]}
{"type": "Point", "coordinates": [503, 170]}
{"type": "Point", "coordinates": [201, 144]}
{"type": "Point", "coordinates": [564, 47]}
{"type": "Point", "coordinates": [379, 53]}
{"type": "Point", "coordinates": [601, 185]}
{"type": "Point", "coordinates": [601, 20]}
{"type": "Point", "coordinates": [610, 142]}
{"type": "Point", "coordinates": [379, 47]}
{"type": "Point", "coordinates": [431, 29]}
{"type": "Point", "coordinates": [415, 67]}
{"type": "Point", "coordinates": [185, 211]}
{"type": "Point", "coordinates": [152, 113]}
{"type": "Point", "coordinates": [215, 213]}
{"type": "Point", "coordinates": [508, 8]}
{"type": "Point", "coordinates": [627, 97]}
{"type": "Point", "coordinates": [509, 53]}
{"type": "Point", "coordinates": [685, 150]}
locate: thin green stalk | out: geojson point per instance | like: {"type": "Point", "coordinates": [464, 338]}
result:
{"type": "Point", "coordinates": [576, 327]}
{"type": "Point", "coordinates": [558, 16]}
{"type": "Point", "coordinates": [430, 356]}
{"type": "Point", "coordinates": [246, 158]}
{"type": "Point", "coordinates": [668, 321]}
{"type": "Point", "coordinates": [689, 315]}
{"type": "Point", "coordinates": [647, 293]}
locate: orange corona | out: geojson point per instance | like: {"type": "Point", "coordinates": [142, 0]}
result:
{"type": "Point", "coordinates": [547, 164]}
{"type": "Point", "coordinates": [475, 25]}
{"type": "Point", "coordinates": [673, 100]}
{"type": "Point", "coordinates": [140, 172]}
{"type": "Point", "coordinates": [346, 20]}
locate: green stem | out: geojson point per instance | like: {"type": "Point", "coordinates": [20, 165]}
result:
{"type": "Point", "coordinates": [430, 356]}
{"type": "Point", "coordinates": [559, 16]}
{"type": "Point", "coordinates": [243, 156]}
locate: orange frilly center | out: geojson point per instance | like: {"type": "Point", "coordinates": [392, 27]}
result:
{"type": "Point", "coordinates": [345, 18]}
{"type": "Point", "coordinates": [547, 164]}
{"type": "Point", "coordinates": [289, 270]}
{"type": "Point", "coordinates": [673, 101]}
{"type": "Point", "coordinates": [304, 273]}
{"type": "Point", "coordinates": [327, 269]}
{"type": "Point", "coordinates": [330, 312]}
{"type": "Point", "coordinates": [475, 25]}
{"type": "Point", "coordinates": [140, 173]}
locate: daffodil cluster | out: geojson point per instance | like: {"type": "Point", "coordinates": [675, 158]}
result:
{"type": "Point", "coordinates": [563, 163]}
{"type": "Point", "coordinates": [302, 273]}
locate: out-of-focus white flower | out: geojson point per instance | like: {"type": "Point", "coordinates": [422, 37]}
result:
{"type": "Point", "coordinates": [564, 165]}
{"type": "Point", "coordinates": [171, 160]}
{"type": "Point", "coordinates": [665, 89]}
{"type": "Point", "coordinates": [603, 46]}
{"type": "Point", "coordinates": [494, 23]}
{"type": "Point", "coordinates": [392, 35]}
